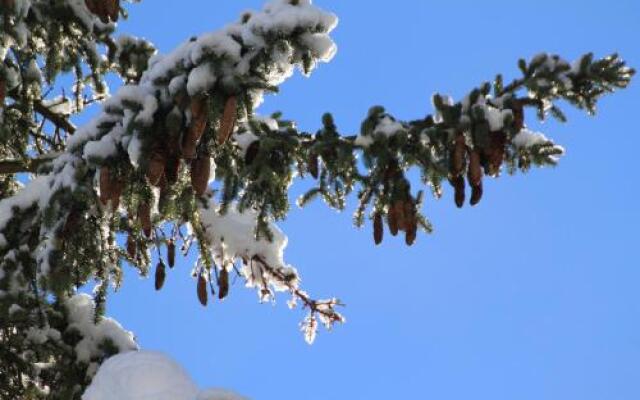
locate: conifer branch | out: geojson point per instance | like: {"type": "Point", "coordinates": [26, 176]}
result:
{"type": "Point", "coordinates": [59, 120]}
{"type": "Point", "coordinates": [27, 165]}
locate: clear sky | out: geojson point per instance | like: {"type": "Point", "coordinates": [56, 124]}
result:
{"type": "Point", "coordinates": [531, 295]}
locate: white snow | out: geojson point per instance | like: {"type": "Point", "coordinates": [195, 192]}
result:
{"type": "Point", "coordinates": [232, 236]}
{"type": "Point", "coordinates": [200, 79]}
{"type": "Point", "coordinates": [386, 127]}
{"type": "Point", "coordinates": [81, 317]}
{"type": "Point", "coordinates": [526, 138]}
{"type": "Point", "coordinates": [134, 149]}
{"type": "Point", "coordinates": [496, 117]}
{"type": "Point", "coordinates": [148, 375]}
{"type": "Point", "coordinates": [59, 105]}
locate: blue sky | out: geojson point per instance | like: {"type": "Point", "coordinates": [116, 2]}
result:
{"type": "Point", "coordinates": [530, 295]}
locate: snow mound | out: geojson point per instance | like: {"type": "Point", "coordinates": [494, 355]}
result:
{"type": "Point", "coordinates": [148, 375]}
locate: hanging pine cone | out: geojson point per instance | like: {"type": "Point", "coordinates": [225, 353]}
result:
{"type": "Point", "coordinates": [131, 246]}
{"type": "Point", "coordinates": [105, 185]}
{"type": "Point", "coordinates": [495, 152]}
{"type": "Point", "coordinates": [518, 115]}
{"type": "Point", "coordinates": [228, 121]}
{"type": "Point", "coordinates": [172, 169]}
{"type": "Point", "coordinates": [392, 220]}
{"type": "Point", "coordinates": [411, 224]}
{"type": "Point", "coordinates": [223, 283]}
{"type": "Point", "coordinates": [313, 165]}
{"type": "Point", "coordinates": [200, 172]}
{"type": "Point", "coordinates": [202, 290]}
{"type": "Point", "coordinates": [155, 169]}
{"type": "Point", "coordinates": [171, 253]}
{"type": "Point", "coordinates": [199, 110]}
{"type": "Point", "coordinates": [475, 176]}
{"type": "Point", "coordinates": [117, 186]}
{"type": "Point", "coordinates": [378, 228]}
{"type": "Point", "coordinates": [94, 6]}
{"type": "Point", "coordinates": [160, 275]}
{"type": "Point", "coordinates": [476, 194]}
{"type": "Point", "coordinates": [458, 186]}
{"type": "Point", "coordinates": [410, 234]}
{"type": "Point", "coordinates": [458, 154]}
{"type": "Point", "coordinates": [144, 215]}
{"type": "Point", "coordinates": [113, 9]}
{"type": "Point", "coordinates": [104, 9]}
{"type": "Point", "coordinates": [401, 219]}
{"type": "Point", "coordinates": [252, 152]}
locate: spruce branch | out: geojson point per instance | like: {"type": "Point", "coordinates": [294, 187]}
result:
{"type": "Point", "coordinates": [163, 137]}
{"type": "Point", "coordinates": [30, 165]}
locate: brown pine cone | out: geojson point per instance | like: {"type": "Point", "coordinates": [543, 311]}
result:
{"type": "Point", "coordinates": [171, 253]}
{"type": "Point", "coordinates": [155, 169]}
{"type": "Point", "coordinates": [392, 220]}
{"type": "Point", "coordinates": [160, 275]}
{"type": "Point", "coordinates": [458, 154]}
{"type": "Point", "coordinates": [92, 5]}
{"type": "Point", "coordinates": [475, 176]}
{"type": "Point", "coordinates": [99, 8]}
{"type": "Point", "coordinates": [113, 9]}
{"type": "Point", "coordinates": [411, 223]}
{"type": "Point", "coordinates": [144, 215]}
{"type": "Point", "coordinates": [228, 121]}
{"type": "Point", "coordinates": [400, 215]}
{"type": "Point", "coordinates": [378, 228]}
{"type": "Point", "coordinates": [172, 169]}
{"type": "Point", "coordinates": [518, 115]}
{"type": "Point", "coordinates": [458, 186]}
{"type": "Point", "coordinates": [223, 283]}
{"type": "Point", "coordinates": [105, 185]}
{"type": "Point", "coordinates": [117, 186]}
{"type": "Point", "coordinates": [313, 165]}
{"type": "Point", "coordinates": [202, 290]}
{"type": "Point", "coordinates": [131, 246]}
{"type": "Point", "coordinates": [476, 194]}
{"type": "Point", "coordinates": [199, 111]}
{"type": "Point", "coordinates": [252, 152]}
{"type": "Point", "coordinates": [495, 152]}
{"type": "Point", "coordinates": [200, 172]}
{"type": "Point", "coordinates": [410, 235]}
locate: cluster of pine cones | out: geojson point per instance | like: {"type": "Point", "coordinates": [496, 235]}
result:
{"type": "Point", "coordinates": [401, 211]}
{"type": "Point", "coordinates": [163, 169]}
{"type": "Point", "coordinates": [164, 162]}
{"type": "Point", "coordinates": [477, 160]}
{"type": "Point", "coordinates": [401, 216]}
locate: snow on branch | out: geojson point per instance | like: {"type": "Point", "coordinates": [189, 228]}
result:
{"type": "Point", "coordinates": [69, 215]}
{"type": "Point", "coordinates": [231, 239]}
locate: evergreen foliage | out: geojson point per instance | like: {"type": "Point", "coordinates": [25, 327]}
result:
{"type": "Point", "coordinates": [177, 157]}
